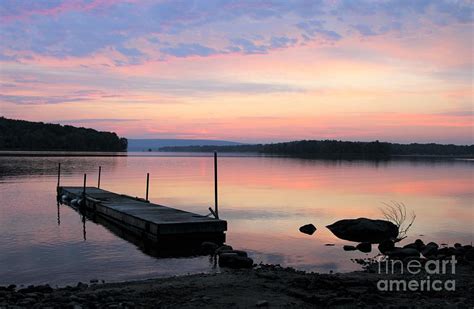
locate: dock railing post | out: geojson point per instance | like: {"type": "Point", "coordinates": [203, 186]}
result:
{"type": "Point", "coordinates": [216, 209]}
{"type": "Point", "coordinates": [84, 186]}
{"type": "Point", "coordinates": [147, 185]}
{"type": "Point", "coordinates": [59, 173]}
{"type": "Point", "coordinates": [98, 180]}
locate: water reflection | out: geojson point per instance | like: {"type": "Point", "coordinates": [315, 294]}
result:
{"type": "Point", "coordinates": [265, 200]}
{"type": "Point", "coordinates": [164, 248]}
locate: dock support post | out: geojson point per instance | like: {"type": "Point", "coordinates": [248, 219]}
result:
{"type": "Point", "coordinates": [84, 187]}
{"type": "Point", "coordinates": [147, 185]}
{"type": "Point", "coordinates": [216, 209]}
{"type": "Point", "coordinates": [59, 173]}
{"type": "Point", "coordinates": [98, 180]}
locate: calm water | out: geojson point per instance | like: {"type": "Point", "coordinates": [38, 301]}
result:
{"type": "Point", "coordinates": [264, 199]}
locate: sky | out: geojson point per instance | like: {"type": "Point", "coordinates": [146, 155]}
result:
{"type": "Point", "coordinates": [248, 71]}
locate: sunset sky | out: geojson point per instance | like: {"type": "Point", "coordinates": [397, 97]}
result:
{"type": "Point", "coordinates": [249, 71]}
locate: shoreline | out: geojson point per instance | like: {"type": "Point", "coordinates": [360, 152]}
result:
{"type": "Point", "coordinates": [261, 286]}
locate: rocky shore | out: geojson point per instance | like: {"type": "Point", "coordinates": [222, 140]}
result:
{"type": "Point", "coordinates": [261, 286]}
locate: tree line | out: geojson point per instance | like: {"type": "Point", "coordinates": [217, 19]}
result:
{"type": "Point", "coordinates": [26, 135]}
{"type": "Point", "coordinates": [334, 148]}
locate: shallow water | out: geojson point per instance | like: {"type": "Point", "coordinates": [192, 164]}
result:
{"type": "Point", "coordinates": [264, 199]}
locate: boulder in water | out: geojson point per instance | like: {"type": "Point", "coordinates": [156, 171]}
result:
{"type": "Point", "coordinates": [364, 230]}
{"type": "Point", "coordinates": [308, 229]}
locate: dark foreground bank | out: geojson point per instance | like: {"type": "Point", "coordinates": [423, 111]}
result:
{"type": "Point", "coordinates": [263, 286]}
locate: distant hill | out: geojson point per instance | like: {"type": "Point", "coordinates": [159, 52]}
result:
{"type": "Point", "coordinates": [27, 135]}
{"type": "Point", "coordinates": [155, 144]}
{"type": "Point", "coordinates": [336, 149]}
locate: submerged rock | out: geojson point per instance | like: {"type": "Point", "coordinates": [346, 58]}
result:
{"type": "Point", "coordinates": [364, 230]}
{"type": "Point", "coordinates": [308, 229]}
{"type": "Point", "coordinates": [364, 247]}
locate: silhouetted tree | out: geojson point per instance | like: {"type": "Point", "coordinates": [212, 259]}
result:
{"type": "Point", "coordinates": [26, 135]}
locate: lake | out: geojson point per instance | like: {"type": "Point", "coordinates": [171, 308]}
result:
{"type": "Point", "coordinates": [264, 199]}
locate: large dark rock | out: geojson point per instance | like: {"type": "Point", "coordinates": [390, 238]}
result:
{"type": "Point", "coordinates": [308, 229]}
{"type": "Point", "coordinates": [364, 230]}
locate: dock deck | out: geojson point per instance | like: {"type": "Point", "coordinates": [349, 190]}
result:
{"type": "Point", "coordinates": [146, 219]}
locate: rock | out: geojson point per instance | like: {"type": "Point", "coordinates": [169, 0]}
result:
{"type": "Point", "coordinates": [417, 245]}
{"type": "Point", "coordinates": [457, 245]}
{"type": "Point", "coordinates": [224, 248]}
{"type": "Point", "coordinates": [364, 230]}
{"type": "Point", "coordinates": [469, 255]}
{"type": "Point", "coordinates": [94, 281]}
{"type": "Point", "coordinates": [262, 303]}
{"type": "Point", "coordinates": [402, 253]}
{"type": "Point", "coordinates": [447, 251]}
{"type": "Point", "coordinates": [82, 285]}
{"type": "Point", "coordinates": [349, 248]}
{"type": "Point", "coordinates": [430, 249]}
{"type": "Point", "coordinates": [386, 246]}
{"type": "Point", "coordinates": [209, 247]}
{"type": "Point", "coordinates": [238, 252]}
{"type": "Point", "coordinates": [420, 245]}
{"type": "Point", "coordinates": [65, 198]}
{"type": "Point", "coordinates": [364, 247]}
{"type": "Point", "coordinates": [233, 260]}
{"type": "Point", "coordinates": [308, 229]}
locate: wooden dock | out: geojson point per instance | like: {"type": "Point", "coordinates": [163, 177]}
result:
{"type": "Point", "coordinates": [144, 219]}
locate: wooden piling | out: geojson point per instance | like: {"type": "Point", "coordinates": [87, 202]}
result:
{"type": "Point", "coordinates": [84, 187]}
{"type": "Point", "coordinates": [98, 179]}
{"type": "Point", "coordinates": [216, 209]}
{"type": "Point", "coordinates": [59, 173]}
{"type": "Point", "coordinates": [147, 185]}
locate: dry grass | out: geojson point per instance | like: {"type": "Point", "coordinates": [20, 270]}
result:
{"type": "Point", "coordinates": [396, 213]}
